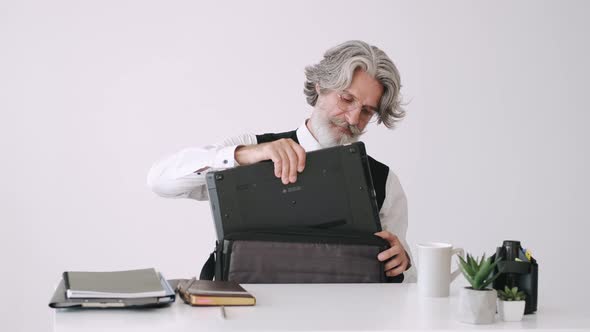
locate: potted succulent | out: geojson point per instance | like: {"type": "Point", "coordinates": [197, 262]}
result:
{"type": "Point", "coordinates": [477, 304]}
{"type": "Point", "coordinates": [511, 303]}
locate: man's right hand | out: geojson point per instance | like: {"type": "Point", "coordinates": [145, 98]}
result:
{"type": "Point", "coordinates": [287, 156]}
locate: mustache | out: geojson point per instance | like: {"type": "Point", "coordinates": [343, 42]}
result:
{"type": "Point", "coordinates": [355, 131]}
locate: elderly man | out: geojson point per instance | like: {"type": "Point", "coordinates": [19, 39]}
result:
{"type": "Point", "coordinates": [354, 84]}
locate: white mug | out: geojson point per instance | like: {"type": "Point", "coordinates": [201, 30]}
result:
{"type": "Point", "coordinates": [434, 268]}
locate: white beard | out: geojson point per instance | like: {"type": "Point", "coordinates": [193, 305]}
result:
{"type": "Point", "coordinates": [322, 129]}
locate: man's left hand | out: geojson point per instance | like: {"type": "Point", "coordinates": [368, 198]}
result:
{"type": "Point", "coordinates": [396, 256]}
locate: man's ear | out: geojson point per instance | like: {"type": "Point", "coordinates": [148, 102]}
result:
{"type": "Point", "coordinates": [317, 88]}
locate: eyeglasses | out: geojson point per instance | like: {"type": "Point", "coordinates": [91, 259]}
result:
{"type": "Point", "coordinates": [348, 103]}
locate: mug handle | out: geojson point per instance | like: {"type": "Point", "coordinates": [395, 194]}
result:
{"type": "Point", "coordinates": [461, 253]}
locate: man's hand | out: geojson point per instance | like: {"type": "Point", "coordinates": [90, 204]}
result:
{"type": "Point", "coordinates": [398, 260]}
{"type": "Point", "coordinates": [287, 156]}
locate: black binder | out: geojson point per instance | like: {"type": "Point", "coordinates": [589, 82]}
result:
{"type": "Point", "coordinates": [61, 300]}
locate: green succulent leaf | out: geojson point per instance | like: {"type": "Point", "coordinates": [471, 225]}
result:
{"type": "Point", "coordinates": [468, 277]}
{"type": "Point", "coordinates": [484, 271]}
{"type": "Point", "coordinates": [479, 272]}
{"type": "Point", "coordinates": [511, 294]}
{"type": "Point", "coordinates": [490, 280]}
{"type": "Point", "coordinates": [472, 263]}
{"type": "Point", "coordinates": [483, 258]}
{"type": "Point", "coordinates": [465, 267]}
{"type": "Point", "coordinates": [492, 266]}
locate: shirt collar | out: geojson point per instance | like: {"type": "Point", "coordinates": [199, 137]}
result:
{"type": "Point", "coordinates": [306, 139]}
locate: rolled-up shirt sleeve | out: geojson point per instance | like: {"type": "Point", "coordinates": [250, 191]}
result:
{"type": "Point", "coordinates": [394, 218]}
{"type": "Point", "coordinates": [182, 174]}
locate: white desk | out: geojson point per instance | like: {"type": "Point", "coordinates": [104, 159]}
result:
{"type": "Point", "coordinates": [320, 307]}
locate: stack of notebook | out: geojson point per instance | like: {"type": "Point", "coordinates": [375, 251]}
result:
{"type": "Point", "coordinates": [145, 287]}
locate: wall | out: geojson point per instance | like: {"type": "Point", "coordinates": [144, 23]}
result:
{"type": "Point", "coordinates": [92, 93]}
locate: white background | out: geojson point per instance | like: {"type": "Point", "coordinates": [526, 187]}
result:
{"type": "Point", "coordinates": [494, 145]}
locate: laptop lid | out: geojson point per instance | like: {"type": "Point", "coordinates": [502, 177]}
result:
{"type": "Point", "coordinates": [335, 190]}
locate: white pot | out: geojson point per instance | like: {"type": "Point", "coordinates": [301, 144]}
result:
{"type": "Point", "coordinates": [477, 306]}
{"type": "Point", "coordinates": [511, 311]}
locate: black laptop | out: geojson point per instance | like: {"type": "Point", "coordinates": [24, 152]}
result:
{"type": "Point", "coordinates": [335, 191]}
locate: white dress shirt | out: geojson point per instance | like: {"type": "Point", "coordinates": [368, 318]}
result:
{"type": "Point", "coordinates": [182, 175]}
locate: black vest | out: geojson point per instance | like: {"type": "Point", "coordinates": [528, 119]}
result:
{"type": "Point", "coordinates": [379, 171]}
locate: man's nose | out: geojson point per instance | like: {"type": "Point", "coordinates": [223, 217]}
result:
{"type": "Point", "coordinates": [352, 117]}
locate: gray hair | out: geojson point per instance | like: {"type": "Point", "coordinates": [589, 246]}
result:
{"type": "Point", "coordinates": [335, 70]}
